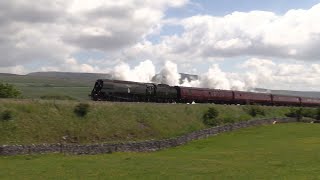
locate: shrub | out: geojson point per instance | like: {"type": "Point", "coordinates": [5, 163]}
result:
{"type": "Point", "coordinates": [255, 111]}
{"type": "Point", "coordinates": [8, 91]}
{"type": "Point", "coordinates": [6, 115]}
{"type": "Point", "coordinates": [210, 117]}
{"type": "Point", "coordinates": [228, 120]}
{"type": "Point", "coordinates": [308, 112]}
{"type": "Point", "coordinates": [317, 117]}
{"type": "Point", "coordinates": [81, 109]}
{"type": "Point", "coordinates": [295, 113]}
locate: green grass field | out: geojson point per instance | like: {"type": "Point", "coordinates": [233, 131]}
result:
{"type": "Point", "coordinates": [44, 121]}
{"type": "Point", "coordinates": [35, 87]}
{"type": "Point", "coordinates": [281, 151]}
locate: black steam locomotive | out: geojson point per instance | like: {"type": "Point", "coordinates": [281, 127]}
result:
{"type": "Point", "coordinates": [115, 90]}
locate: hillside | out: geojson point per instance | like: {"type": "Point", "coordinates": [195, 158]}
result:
{"type": "Point", "coordinates": [83, 77]}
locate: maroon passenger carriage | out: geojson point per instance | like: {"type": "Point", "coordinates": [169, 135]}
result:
{"type": "Point", "coordinates": [241, 97]}
{"type": "Point", "coordinates": [307, 101]}
{"type": "Point", "coordinates": [204, 95]}
{"type": "Point", "coordinates": [284, 100]}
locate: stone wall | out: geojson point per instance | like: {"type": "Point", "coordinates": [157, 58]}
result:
{"type": "Point", "coordinates": [145, 146]}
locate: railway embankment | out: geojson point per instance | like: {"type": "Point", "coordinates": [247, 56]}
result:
{"type": "Point", "coordinates": [50, 126]}
{"type": "Point", "coordinates": [27, 122]}
{"type": "Point", "coordinates": [143, 146]}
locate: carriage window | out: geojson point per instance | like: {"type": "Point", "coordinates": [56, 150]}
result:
{"type": "Point", "coordinates": [190, 92]}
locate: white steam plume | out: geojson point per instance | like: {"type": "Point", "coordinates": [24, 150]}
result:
{"type": "Point", "coordinates": [214, 78]}
{"type": "Point", "coordinates": [141, 73]}
{"type": "Point", "coordinates": [169, 74]}
{"type": "Point", "coordinates": [217, 79]}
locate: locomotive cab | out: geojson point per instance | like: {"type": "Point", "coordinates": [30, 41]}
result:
{"type": "Point", "coordinates": [96, 91]}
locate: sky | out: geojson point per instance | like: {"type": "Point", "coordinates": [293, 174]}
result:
{"type": "Point", "coordinates": [230, 44]}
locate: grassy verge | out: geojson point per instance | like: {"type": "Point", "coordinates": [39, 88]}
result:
{"type": "Point", "coordinates": [281, 151]}
{"type": "Point", "coordinates": [43, 121]}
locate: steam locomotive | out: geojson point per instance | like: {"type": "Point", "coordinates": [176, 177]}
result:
{"type": "Point", "coordinates": [115, 90]}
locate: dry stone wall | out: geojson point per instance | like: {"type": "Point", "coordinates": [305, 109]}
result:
{"type": "Point", "coordinates": [145, 146]}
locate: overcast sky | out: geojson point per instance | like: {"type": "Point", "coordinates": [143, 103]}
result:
{"type": "Point", "coordinates": [231, 43]}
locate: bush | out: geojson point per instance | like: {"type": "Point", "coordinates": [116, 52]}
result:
{"type": "Point", "coordinates": [255, 111]}
{"type": "Point", "coordinates": [317, 117]}
{"type": "Point", "coordinates": [6, 115]}
{"type": "Point", "coordinates": [295, 113]}
{"type": "Point", "coordinates": [8, 91]}
{"type": "Point", "coordinates": [81, 109]}
{"type": "Point", "coordinates": [210, 117]}
{"type": "Point", "coordinates": [308, 112]}
{"type": "Point", "coordinates": [228, 120]}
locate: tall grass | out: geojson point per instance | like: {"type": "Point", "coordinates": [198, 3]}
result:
{"type": "Point", "coordinates": [54, 121]}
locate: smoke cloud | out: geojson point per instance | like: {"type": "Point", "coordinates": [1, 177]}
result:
{"type": "Point", "coordinates": [141, 73]}
{"type": "Point", "coordinates": [257, 73]}
{"type": "Point", "coordinates": [169, 74]}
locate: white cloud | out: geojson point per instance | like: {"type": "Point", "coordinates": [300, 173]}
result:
{"type": "Point", "coordinates": [293, 35]}
{"type": "Point", "coordinates": [49, 32]}
{"type": "Point", "coordinates": [112, 25]}
{"type": "Point", "coordinates": [292, 75]}
{"type": "Point", "coordinates": [258, 35]}
{"type": "Point", "coordinates": [72, 65]}
{"type": "Point", "coordinates": [13, 69]}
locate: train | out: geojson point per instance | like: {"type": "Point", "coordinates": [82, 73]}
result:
{"type": "Point", "coordinates": [116, 90]}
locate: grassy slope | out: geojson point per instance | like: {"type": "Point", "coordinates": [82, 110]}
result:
{"type": "Point", "coordinates": [40, 121]}
{"type": "Point", "coordinates": [281, 151]}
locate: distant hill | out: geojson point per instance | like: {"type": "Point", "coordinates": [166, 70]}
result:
{"type": "Point", "coordinates": [71, 75]}
{"type": "Point", "coordinates": [8, 74]}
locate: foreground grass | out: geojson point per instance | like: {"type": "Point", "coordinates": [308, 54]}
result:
{"type": "Point", "coordinates": [41, 121]}
{"type": "Point", "coordinates": [281, 151]}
